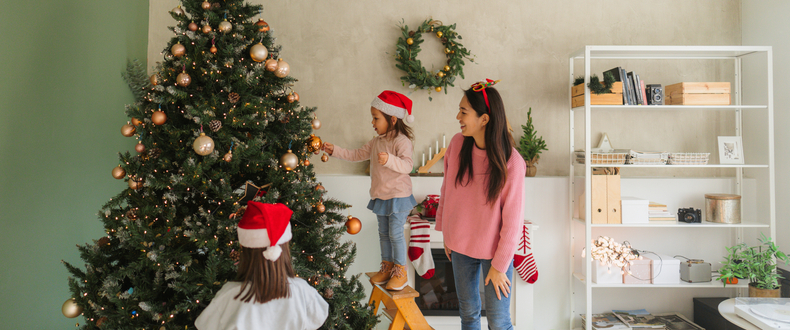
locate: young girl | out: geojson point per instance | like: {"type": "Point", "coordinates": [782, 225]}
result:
{"type": "Point", "coordinates": [480, 212]}
{"type": "Point", "coordinates": [267, 296]}
{"type": "Point", "coordinates": [390, 188]}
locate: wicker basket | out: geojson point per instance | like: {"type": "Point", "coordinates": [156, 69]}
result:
{"type": "Point", "coordinates": [688, 158]}
{"type": "Point", "coordinates": [615, 158]}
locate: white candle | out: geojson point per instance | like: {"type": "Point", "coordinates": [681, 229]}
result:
{"type": "Point", "coordinates": [423, 159]}
{"type": "Point", "coordinates": [437, 146]}
{"type": "Point", "coordinates": [430, 152]}
{"type": "Point", "coordinates": [444, 142]}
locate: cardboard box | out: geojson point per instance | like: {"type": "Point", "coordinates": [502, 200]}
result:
{"type": "Point", "coordinates": [605, 274]}
{"type": "Point", "coordinates": [641, 272]}
{"type": "Point", "coordinates": [614, 98]}
{"type": "Point", "coordinates": [698, 93]}
{"type": "Point", "coordinates": [666, 270]}
{"type": "Point", "coordinates": [634, 210]}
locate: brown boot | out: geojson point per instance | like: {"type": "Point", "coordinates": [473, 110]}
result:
{"type": "Point", "coordinates": [399, 279]}
{"type": "Point", "coordinates": [384, 274]}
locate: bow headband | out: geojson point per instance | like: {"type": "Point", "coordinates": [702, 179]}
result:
{"type": "Point", "coordinates": [481, 87]}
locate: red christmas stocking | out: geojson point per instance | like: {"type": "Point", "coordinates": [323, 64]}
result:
{"type": "Point", "coordinates": [523, 261]}
{"type": "Point", "coordinates": [420, 247]}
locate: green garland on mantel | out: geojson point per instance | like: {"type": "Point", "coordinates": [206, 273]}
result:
{"type": "Point", "coordinates": [418, 77]}
{"type": "Point", "coordinates": [596, 86]}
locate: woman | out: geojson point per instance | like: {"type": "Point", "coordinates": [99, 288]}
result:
{"type": "Point", "coordinates": [480, 212]}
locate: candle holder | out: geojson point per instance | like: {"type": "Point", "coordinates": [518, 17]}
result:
{"type": "Point", "coordinates": [436, 157]}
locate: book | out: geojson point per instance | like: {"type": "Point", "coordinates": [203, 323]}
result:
{"type": "Point", "coordinates": [604, 321]}
{"type": "Point", "coordinates": [626, 87]}
{"type": "Point", "coordinates": [638, 319]}
{"type": "Point", "coordinates": [632, 87]}
{"type": "Point", "coordinates": [638, 85]}
{"type": "Point", "coordinates": [644, 92]}
{"type": "Point", "coordinates": [655, 206]}
{"type": "Point", "coordinates": [617, 74]}
{"type": "Point", "coordinates": [676, 321]}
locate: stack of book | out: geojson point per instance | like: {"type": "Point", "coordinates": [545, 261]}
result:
{"type": "Point", "coordinates": [633, 87]}
{"type": "Point", "coordinates": [640, 319]}
{"type": "Point", "coordinates": [659, 212]}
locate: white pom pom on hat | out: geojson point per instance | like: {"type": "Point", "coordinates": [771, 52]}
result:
{"type": "Point", "coordinates": [394, 104]}
{"type": "Point", "coordinates": [265, 226]}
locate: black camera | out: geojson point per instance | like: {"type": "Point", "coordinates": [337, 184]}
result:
{"type": "Point", "coordinates": [690, 215]}
{"type": "Point", "coordinates": [655, 94]}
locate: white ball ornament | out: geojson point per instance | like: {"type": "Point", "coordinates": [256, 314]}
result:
{"type": "Point", "coordinates": [258, 52]}
{"type": "Point", "coordinates": [203, 145]}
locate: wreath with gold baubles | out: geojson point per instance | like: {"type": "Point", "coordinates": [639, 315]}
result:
{"type": "Point", "coordinates": [418, 77]}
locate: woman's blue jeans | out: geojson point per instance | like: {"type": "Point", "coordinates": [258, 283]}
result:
{"type": "Point", "coordinates": [391, 239]}
{"type": "Point", "coordinates": [467, 273]}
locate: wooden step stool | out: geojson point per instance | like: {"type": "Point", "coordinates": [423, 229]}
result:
{"type": "Point", "coordinates": [399, 307]}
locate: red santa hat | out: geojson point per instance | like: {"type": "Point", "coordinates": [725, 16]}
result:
{"type": "Point", "coordinates": [265, 226]}
{"type": "Point", "coordinates": [394, 104]}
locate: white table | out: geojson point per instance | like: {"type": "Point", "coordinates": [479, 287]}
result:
{"type": "Point", "coordinates": [727, 309]}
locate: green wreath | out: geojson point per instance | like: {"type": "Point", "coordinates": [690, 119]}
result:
{"type": "Point", "coordinates": [417, 76]}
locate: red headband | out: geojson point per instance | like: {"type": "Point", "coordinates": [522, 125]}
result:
{"type": "Point", "coordinates": [481, 86]}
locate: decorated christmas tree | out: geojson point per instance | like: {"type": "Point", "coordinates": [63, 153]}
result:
{"type": "Point", "coordinates": [217, 124]}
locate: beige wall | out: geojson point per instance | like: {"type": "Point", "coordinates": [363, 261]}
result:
{"type": "Point", "coordinates": [341, 52]}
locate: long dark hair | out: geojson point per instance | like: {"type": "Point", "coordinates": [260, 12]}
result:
{"type": "Point", "coordinates": [399, 127]}
{"type": "Point", "coordinates": [499, 143]}
{"type": "Point", "coordinates": [267, 280]}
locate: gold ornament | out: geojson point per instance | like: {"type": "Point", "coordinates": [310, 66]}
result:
{"type": "Point", "coordinates": [409, 41]}
{"type": "Point", "coordinates": [258, 52]}
{"type": "Point", "coordinates": [291, 98]}
{"type": "Point", "coordinates": [206, 28]}
{"type": "Point", "coordinates": [320, 208]}
{"type": "Point", "coordinates": [135, 183]}
{"type": "Point", "coordinates": [225, 26]}
{"type": "Point", "coordinates": [203, 145]}
{"type": "Point", "coordinates": [118, 172]}
{"type": "Point", "coordinates": [438, 88]}
{"type": "Point", "coordinates": [128, 130]}
{"type": "Point", "coordinates": [159, 117]}
{"type": "Point", "coordinates": [316, 123]}
{"type": "Point", "coordinates": [314, 143]}
{"type": "Point", "coordinates": [262, 25]}
{"type": "Point", "coordinates": [447, 68]}
{"type": "Point", "coordinates": [282, 69]}
{"type": "Point", "coordinates": [213, 49]}
{"type": "Point", "coordinates": [136, 122]}
{"type": "Point", "coordinates": [306, 162]}
{"type": "Point", "coordinates": [70, 308]}
{"type": "Point", "coordinates": [440, 74]}
{"type": "Point", "coordinates": [353, 225]}
{"type": "Point", "coordinates": [324, 158]}
{"type": "Point", "coordinates": [439, 34]}
{"type": "Point", "coordinates": [289, 161]}
{"type": "Point", "coordinates": [183, 79]}
{"type": "Point", "coordinates": [228, 156]}
{"type": "Point", "coordinates": [192, 26]}
{"type": "Point", "coordinates": [154, 79]}
{"type": "Point", "coordinates": [140, 147]}
{"type": "Point", "coordinates": [271, 65]}
{"type": "Point", "coordinates": [177, 11]}
{"type": "Point", "coordinates": [447, 50]}
{"type": "Point", "coordinates": [205, 5]}
{"type": "Point", "coordinates": [178, 50]}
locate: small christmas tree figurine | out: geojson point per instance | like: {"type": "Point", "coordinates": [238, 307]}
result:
{"type": "Point", "coordinates": [530, 145]}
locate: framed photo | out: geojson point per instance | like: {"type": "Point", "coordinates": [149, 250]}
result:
{"type": "Point", "coordinates": [730, 150]}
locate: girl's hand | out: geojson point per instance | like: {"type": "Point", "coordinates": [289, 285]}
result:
{"type": "Point", "coordinates": [448, 252]}
{"type": "Point", "coordinates": [499, 280]}
{"type": "Point", "coordinates": [328, 147]}
{"type": "Point", "coordinates": [383, 156]}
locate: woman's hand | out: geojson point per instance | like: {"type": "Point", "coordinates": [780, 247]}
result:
{"type": "Point", "coordinates": [448, 252]}
{"type": "Point", "coordinates": [383, 156]}
{"type": "Point", "coordinates": [328, 147]}
{"type": "Point", "coordinates": [499, 280]}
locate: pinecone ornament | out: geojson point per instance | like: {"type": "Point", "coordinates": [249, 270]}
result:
{"type": "Point", "coordinates": [154, 153]}
{"type": "Point", "coordinates": [329, 293]}
{"type": "Point", "coordinates": [234, 255]}
{"type": "Point", "coordinates": [215, 125]}
{"type": "Point", "coordinates": [411, 33]}
{"type": "Point", "coordinates": [233, 97]}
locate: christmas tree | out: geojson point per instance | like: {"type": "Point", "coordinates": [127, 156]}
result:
{"type": "Point", "coordinates": [217, 125]}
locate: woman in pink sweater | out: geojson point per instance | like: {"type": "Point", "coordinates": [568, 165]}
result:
{"type": "Point", "coordinates": [480, 212]}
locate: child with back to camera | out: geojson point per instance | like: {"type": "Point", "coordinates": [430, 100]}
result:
{"type": "Point", "coordinates": [267, 294]}
{"type": "Point", "coordinates": [390, 155]}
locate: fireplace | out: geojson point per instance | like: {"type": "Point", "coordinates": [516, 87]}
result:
{"type": "Point", "coordinates": [437, 294]}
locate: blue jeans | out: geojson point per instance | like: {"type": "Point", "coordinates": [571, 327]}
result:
{"type": "Point", "coordinates": [466, 271]}
{"type": "Point", "coordinates": [391, 239]}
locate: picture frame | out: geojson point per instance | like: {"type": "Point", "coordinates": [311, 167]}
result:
{"type": "Point", "coordinates": [730, 150]}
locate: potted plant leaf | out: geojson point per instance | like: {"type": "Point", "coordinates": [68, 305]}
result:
{"type": "Point", "coordinates": [757, 264]}
{"type": "Point", "coordinates": [531, 145]}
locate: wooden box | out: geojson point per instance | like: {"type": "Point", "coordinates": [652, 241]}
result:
{"type": "Point", "coordinates": [614, 98]}
{"type": "Point", "coordinates": [697, 93]}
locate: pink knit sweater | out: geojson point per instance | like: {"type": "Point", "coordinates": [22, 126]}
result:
{"type": "Point", "coordinates": [392, 179]}
{"type": "Point", "coordinates": [469, 224]}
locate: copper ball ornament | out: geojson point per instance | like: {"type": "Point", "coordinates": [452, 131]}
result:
{"type": "Point", "coordinates": [128, 130]}
{"type": "Point", "coordinates": [203, 145]}
{"type": "Point", "coordinates": [270, 65]}
{"type": "Point", "coordinates": [320, 208]}
{"type": "Point", "coordinates": [282, 69]}
{"type": "Point", "coordinates": [135, 183]}
{"type": "Point", "coordinates": [154, 79]}
{"type": "Point", "coordinates": [258, 52]}
{"type": "Point", "coordinates": [205, 5]}
{"type": "Point", "coordinates": [291, 98]}
{"type": "Point", "coordinates": [289, 161]}
{"type": "Point", "coordinates": [296, 96]}
{"type": "Point", "coordinates": [353, 225]}
{"type": "Point", "coordinates": [324, 158]}
{"type": "Point", "coordinates": [136, 122]}
{"type": "Point", "coordinates": [316, 123]}
{"type": "Point", "coordinates": [140, 147]}
{"type": "Point", "coordinates": [409, 41]}
{"type": "Point", "coordinates": [225, 27]}
{"type": "Point", "coordinates": [228, 157]}
{"type": "Point", "coordinates": [159, 117]}
{"type": "Point", "coordinates": [213, 49]}
{"type": "Point", "coordinates": [192, 26]}
{"type": "Point", "coordinates": [262, 25]}
{"type": "Point", "coordinates": [178, 50]}
{"type": "Point", "coordinates": [177, 11]}
{"type": "Point", "coordinates": [183, 79]}
{"type": "Point", "coordinates": [70, 308]}
{"type": "Point", "coordinates": [118, 172]}
{"type": "Point", "coordinates": [314, 143]}
{"type": "Point", "coordinates": [206, 28]}
{"type": "Point", "coordinates": [306, 162]}
{"type": "Point", "coordinates": [100, 321]}
{"type": "Point", "coordinates": [320, 188]}
{"type": "Point", "coordinates": [310, 258]}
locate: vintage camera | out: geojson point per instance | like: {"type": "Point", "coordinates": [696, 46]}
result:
{"type": "Point", "coordinates": [690, 215]}
{"type": "Point", "coordinates": [695, 271]}
{"type": "Point", "coordinates": [655, 94]}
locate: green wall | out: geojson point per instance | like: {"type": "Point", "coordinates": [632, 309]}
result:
{"type": "Point", "coordinates": [62, 103]}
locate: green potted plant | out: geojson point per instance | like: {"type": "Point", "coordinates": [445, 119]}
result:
{"type": "Point", "coordinates": [757, 264]}
{"type": "Point", "coordinates": [531, 145]}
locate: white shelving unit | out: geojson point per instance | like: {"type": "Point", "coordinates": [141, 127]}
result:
{"type": "Point", "coordinates": [764, 164]}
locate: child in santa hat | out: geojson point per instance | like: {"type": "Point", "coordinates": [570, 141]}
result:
{"type": "Point", "coordinates": [390, 155]}
{"type": "Point", "coordinates": [267, 294]}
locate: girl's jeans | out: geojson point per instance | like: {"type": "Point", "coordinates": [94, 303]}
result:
{"type": "Point", "coordinates": [391, 239]}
